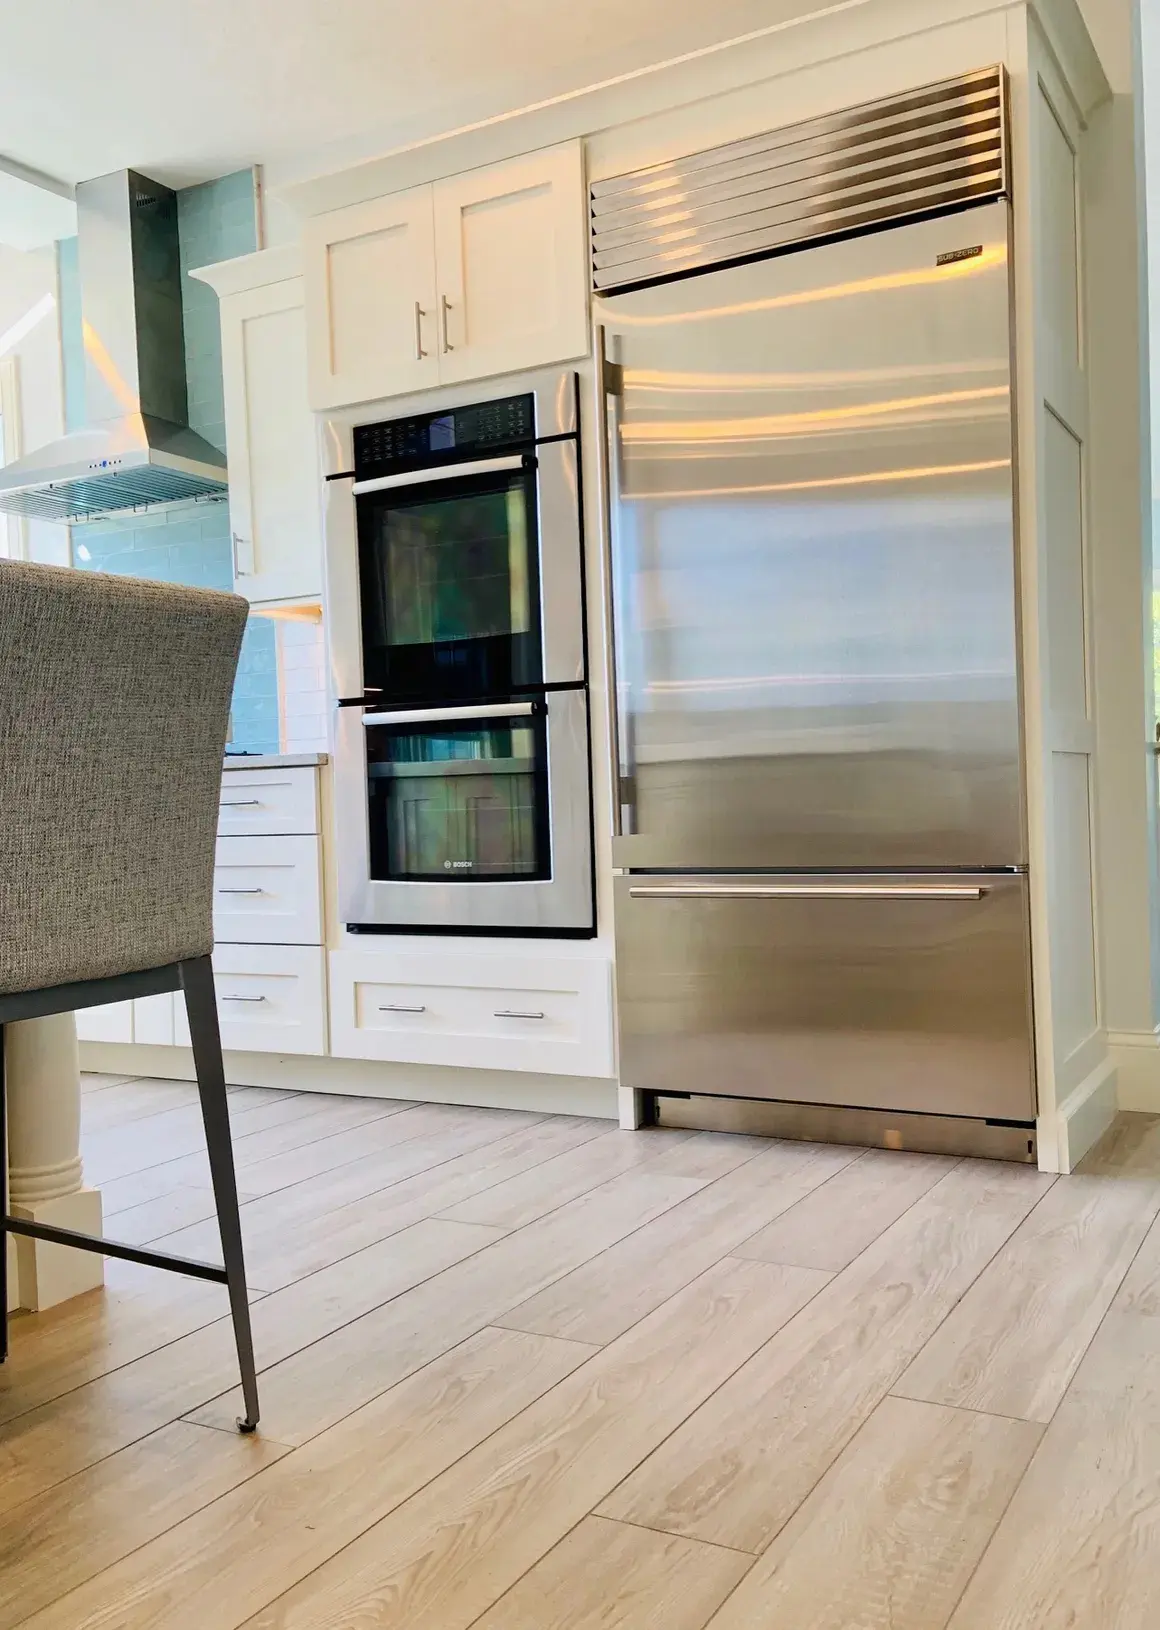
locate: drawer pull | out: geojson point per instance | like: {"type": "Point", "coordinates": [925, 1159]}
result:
{"type": "Point", "coordinates": [812, 891]}
{"type": "Point", "coordinates": [243, 998]}
{"type": "Point", "coordinates": [399, 1007]}
{"type": "Point", "coordinates": [241, 803]}
{"type": "Point", "coordinates": [241, 891]}
{"type": "Point", "coordinates": [515, 1013]}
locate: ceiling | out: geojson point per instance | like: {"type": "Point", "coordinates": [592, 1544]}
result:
{"type": "Point", "coordinates": [186, 91]}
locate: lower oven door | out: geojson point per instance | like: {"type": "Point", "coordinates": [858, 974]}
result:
{"type": "Point", "coordinates": [902, 993]}
{"type": "Point", "coordinates": [472, 819]}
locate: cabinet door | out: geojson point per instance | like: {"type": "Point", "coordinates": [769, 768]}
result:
{"type": "Point", "coordinates": [275, 486]}
{"type": "Point", "coordinates": [512, 260]}
{"type": "Point", "coordinates": [370, 300]}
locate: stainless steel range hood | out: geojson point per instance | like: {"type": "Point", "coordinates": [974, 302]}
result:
{"type": "Point", "coordinates": [137, 451]}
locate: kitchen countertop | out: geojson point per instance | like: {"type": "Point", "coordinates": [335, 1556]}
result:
{"type": "Point", "coordinates": [273, 761]}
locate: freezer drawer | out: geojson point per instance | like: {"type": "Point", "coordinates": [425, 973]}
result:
{"type": "Point", "coordinates": [903, 992]}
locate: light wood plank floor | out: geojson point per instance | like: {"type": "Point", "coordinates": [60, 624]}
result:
{"type": "Point", "coordinates": [532, 1373]}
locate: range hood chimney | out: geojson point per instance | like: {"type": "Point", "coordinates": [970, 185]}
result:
{"type": "Point", "coordinates": [137, 451]}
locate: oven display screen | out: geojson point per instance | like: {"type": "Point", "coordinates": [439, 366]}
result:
{"type": "Point", "coordinates": [441, 435]}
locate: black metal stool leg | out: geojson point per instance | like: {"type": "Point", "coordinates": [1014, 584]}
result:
{"type": "Point", "coordinates": [201, 1006]}
{"type": "Point", "coordinates": [3, 1206]}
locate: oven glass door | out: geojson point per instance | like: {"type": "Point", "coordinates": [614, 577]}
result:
{"type": "Point", "coordinates": [449, 585]}
{"type": "Point", "coordinates": [459, 799]}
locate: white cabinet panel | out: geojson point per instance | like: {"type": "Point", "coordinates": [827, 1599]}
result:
{"type": "Point", "coordinates": [479, 274]}
{"type": "Point", "coordinates": [490, 1011]}
{"type": "Point", "coordinates": [112, 1022]}
{"type": "Point", "coordinates": [268, 802]}
{"type": "Point", "coordinates": [271, 999]}
{"type": "Point", "coordinates": [275, 484]}
{"type": "Point", "coordinates": [153, 1019]}
{"type": "Point", "coordinates": [371, 299]}
{"type": "Point", "coordinates": [511, 256]}
{"type": "Point", "coordinates": [268, 891]}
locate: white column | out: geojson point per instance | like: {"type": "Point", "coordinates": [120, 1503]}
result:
{"type": "Point", "coordinates": [46, 1176]}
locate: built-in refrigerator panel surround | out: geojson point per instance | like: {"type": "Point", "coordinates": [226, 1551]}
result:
{"type": "Point", "coordinates": [814, 558]}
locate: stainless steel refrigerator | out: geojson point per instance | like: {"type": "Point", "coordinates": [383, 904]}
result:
{"type": "Point", "coordinates": [821, 894]}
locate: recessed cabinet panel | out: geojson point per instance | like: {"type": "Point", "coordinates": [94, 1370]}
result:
{"type": "Point", "coordinates": [275, 504]}
{"type": "Point", "coordinates": [370, 281]}
{"type": "Point", "coordinates": [1063, 506]}
{"type": "Point", "coordinates": [1059, 244]}
{"type": "Point", "coordinates": [511, 259]}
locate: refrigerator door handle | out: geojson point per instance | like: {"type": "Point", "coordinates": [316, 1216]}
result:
{"type": "Point", "coordinates": [619, 712]}
{"type": "Point", "coordinates": [809, 891]}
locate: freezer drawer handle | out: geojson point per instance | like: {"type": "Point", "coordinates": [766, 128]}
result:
{"type": "Point", "coordinates": [450, 715]}
{"type": "Point", "coordinates": [241, 803]}
{"type": "Point", "coordinates": [241, 891]}
{"type": "Point", "coordinates": [814, 891]}
{"type": "Point", "coordinates": [399, 1007]}
{"type": "Point", "coordinates": [514, 1013]}
{"type": "Point", "coordinates": [243, 998]}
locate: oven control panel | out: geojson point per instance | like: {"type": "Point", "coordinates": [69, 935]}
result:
{"type": "Point", "coordinates": [444, 438]}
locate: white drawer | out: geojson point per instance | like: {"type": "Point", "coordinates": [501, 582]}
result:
{"type": "Point", "coordinates": [550, 1015]}
{"type": "Point", "coordinates": [268, 891]}
{"type": "Point", "coordinates": [268, 802]}
{"type": "Point", "coordinates": [271, 999]}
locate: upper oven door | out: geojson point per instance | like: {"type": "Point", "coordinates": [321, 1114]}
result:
{"type": "Point", "coordinates": [462, 580]}
{"type": "Point", "coordinates": [449, 590]}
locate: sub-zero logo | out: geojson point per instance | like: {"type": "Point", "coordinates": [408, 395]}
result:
{"type": "Point", "coordinates": [959, 254]}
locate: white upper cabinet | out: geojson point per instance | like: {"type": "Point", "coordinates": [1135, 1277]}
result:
{"type": "Point", "coordinates": [512, 261]}
{"type": "Point", "coordinates": [370, 281]}
{"type": "Point", "coordinates": [479, 274]}
{"type": "Point", "coordinates": [275, 484]}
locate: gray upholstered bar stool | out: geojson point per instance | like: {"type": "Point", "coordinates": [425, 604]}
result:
{"type": "Point", "coordinates": [114, 710]}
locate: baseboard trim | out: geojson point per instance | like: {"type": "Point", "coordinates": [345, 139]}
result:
{"type": "Point", "coordinates": [1137, 1056]}
{"type": "Point", "coordinates": [360, 1078]}
{"type": "Point", "coordinates": [1083, 1117]}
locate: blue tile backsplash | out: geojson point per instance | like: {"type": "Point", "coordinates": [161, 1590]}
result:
{"type": "Point", "coordinates": [189, 543]}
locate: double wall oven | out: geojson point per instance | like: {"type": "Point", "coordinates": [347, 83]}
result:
{"type": "Point", "coordinates": [455, 598]}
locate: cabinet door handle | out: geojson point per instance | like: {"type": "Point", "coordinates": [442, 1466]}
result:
{"type": "Point", "coordinates": [444, 308]}
{"type": "Point", "coordinates": [238, 544]}
{"type": "Point", "coordinates": [241, 803]}
{"type": "Point", "coordinates": [419, 316]}
{"type": "Point", "coordinates": [243, 998]}
{"type": "Point", "coordinates": [241, 891]}
{"type": "Point", "coordinates": [515, 1013]}
{"type": "Point", "coordinates": [399, 1007]}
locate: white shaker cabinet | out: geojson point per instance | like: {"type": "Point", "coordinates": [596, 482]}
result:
{"type": "Point", "coordinates": [371, 299]}
{"type": "Point", "coordinates": [478, 274]}
{"type": "Point", "coordinates": [275, 484]}
{"type": "Point", "coordinates": [512, 260]}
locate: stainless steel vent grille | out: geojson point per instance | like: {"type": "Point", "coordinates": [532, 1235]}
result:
{"type": "Point", "coordinates": [933, 149]}
{"type": "Point", "coordinates": [89, 499]}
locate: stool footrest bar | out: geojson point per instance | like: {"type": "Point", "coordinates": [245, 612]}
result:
{"type": "Point", "coordinates": [109, 1247]}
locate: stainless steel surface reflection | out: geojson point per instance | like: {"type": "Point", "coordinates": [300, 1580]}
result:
{"type": "Point", "coordinates": [813, 549]}
{"type": "Point", "coordinates": [911, 996]}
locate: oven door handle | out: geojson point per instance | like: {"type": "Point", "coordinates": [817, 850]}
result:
{"type": "Point", "coordinates": [443, 472]}
{"type": "Point", "coordinates": [450, 715]}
